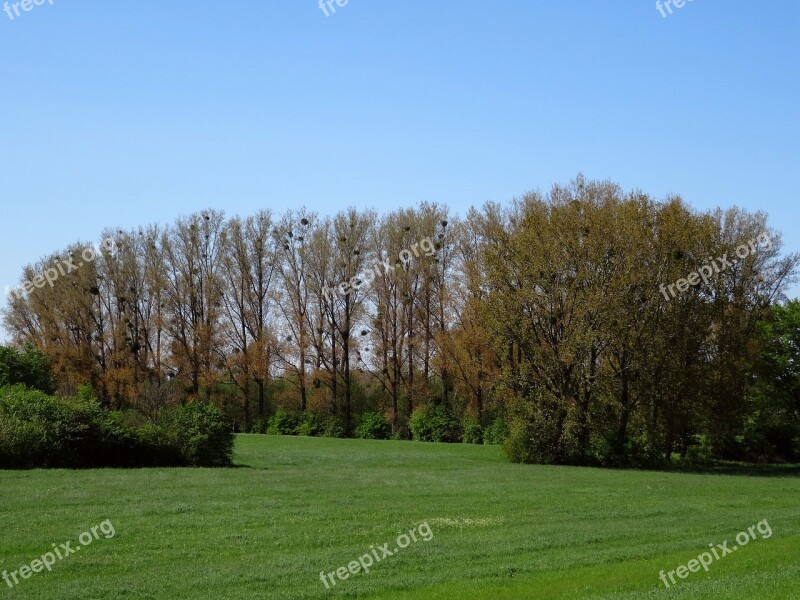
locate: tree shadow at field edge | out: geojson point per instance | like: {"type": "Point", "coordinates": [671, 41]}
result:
{"type": "Point", "coordinates": [736, 469]}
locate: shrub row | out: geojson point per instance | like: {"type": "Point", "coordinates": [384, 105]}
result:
{"type": "Point", "coordinates": [430, 423]}
{"type": "Point", "coordinates": [42, 431]}
{"type": "Point", "coordinates": [532, 441]}
{"type": "Point", "coordinates": [437, 423]}
{"type": "Point", "coordinates": [307, 423]}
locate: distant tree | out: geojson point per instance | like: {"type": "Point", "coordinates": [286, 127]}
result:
{"type": "Point", "coordinates": [193, 252]}
{"type": "Point", "coordinates": [249, 265]}
{"type": "Point", "coordinates": [340, 277]}
{"type": "Point", "coordinates": [467, 352]}
{"type": "Point", "coordinates": [292, 235]}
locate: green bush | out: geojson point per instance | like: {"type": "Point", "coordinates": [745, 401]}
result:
{"type": "Point", "coordinates": [309, 424]}
{"type": "Point", "coordinates": [518, 444]}
{"type": "Point", "coordinates": [282, 423]}
{"type": "Point", "coordinates": [434, 423]}
{"type": "Point", "coordinates": [28, 367]}
{"type": "Point", "coordinates": [332, 427]}
{"type": "Point", "coordinates": [158, 443]}
{"type": "Point", "coordinates": [638, 451]}
{"type": "Point", "coordinates": [105, 438]}
{"type": "Point", "coordinates": [699, 453]}
{"type": "Point", "coordinates": [472, 430]}
{"type": "Point", "coordinates": [373, 427]}
{"type": "Point", "coordinates": [41, 431]}
{"type": "Point", "coordinates": [772, 437]}
{"type": "Point", "coordinates": [35, 430]}
{"type": "Point", "coordinates": [204, 435]}
{"type": "Point", "coordinates": [496, 432]}
{"type": "Point", "coordinates": [534, 439]}
{"type": "Point", "coordinates": [260, 426]}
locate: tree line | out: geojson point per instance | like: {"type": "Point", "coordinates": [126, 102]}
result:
{"type": "Point", "coordinates": [546, 313]}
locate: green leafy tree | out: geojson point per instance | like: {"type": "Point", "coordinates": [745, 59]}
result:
{"type": "Point", "coordinates": [773, 426]}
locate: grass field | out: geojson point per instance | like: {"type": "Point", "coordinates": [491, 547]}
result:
{"type": "Point", "coordinates": [298, 506]}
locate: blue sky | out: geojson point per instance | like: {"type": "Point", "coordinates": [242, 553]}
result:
{"type": "Point", "coordinates": [127, 113]}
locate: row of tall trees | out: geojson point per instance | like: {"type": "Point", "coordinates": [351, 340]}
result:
{"type": "Point", "coordinates": [325, 304]}
{"type": "Point", "coordinates": [548, 311]}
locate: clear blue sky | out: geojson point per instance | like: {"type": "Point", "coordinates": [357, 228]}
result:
{"type": "Point", "coordinates": [126, 113]}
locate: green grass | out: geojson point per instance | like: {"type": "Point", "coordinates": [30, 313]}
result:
{"type": "Point", "coordinates": [298, 506]}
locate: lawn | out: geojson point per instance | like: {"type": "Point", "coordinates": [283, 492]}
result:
{"type": "Point", "coordinates": [297, 506]}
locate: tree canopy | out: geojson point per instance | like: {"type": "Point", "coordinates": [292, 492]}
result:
{"type": "Point", "coordinates": [601, 327]}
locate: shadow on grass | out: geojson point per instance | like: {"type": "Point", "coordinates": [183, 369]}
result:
{"type": "Point", "coordinates": [740, 469]}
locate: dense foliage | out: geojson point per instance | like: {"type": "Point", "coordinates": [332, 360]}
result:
{"type": "Point", "coordinates": [603, 363]}
{"type": "Point", "coordinates": [373, 427]}
{"type": "Point", "coordinates": [41, 431]}
{"type": "Point", "coordinates": [772, 429]}
{"type": "Point", "coordinates": [433, 423]}
{"type": "Point", "coordinates": [28, 366]}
